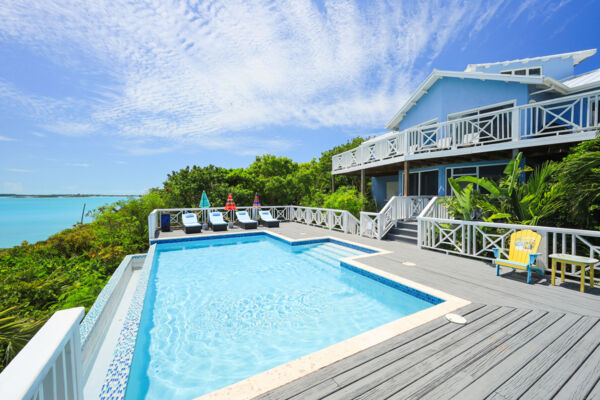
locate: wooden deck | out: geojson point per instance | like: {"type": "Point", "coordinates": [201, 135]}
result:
{"type": "Point", "coordinates": [522, 341]}
{"type": "Point", "coordinates": [501, 353]}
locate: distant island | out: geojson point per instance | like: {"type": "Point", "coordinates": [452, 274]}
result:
{"type": "Point", "coordinates": [69, 195]}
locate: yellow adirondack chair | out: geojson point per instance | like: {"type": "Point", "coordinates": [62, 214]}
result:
{"type": "Point", "coordinates": [522, 255]}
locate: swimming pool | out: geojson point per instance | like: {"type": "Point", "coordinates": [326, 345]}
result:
{"type": "Point", "coordinates": [221, 310]}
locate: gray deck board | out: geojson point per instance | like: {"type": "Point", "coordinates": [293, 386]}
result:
{"type": "Point", "coordinates": [497, 375]}
{"type": "Point", "coordinates": [474, 369]}
{"type": "Point", "coordinates": [424, 364]}
{"type": "Point", "coordinates": [405, 364]}
{"type": "Point", "coordinates": [501, 353]}
{"type": "Point", "coordinates": [473, 311]}
{"type": "Point", "coordinates": [555, 378]}
{"type": "Point", "coordinates": [583, 381]}
{"type": "Point", "coordinates": [595, 393]}
{"type": "Point", "coordinates": [529, 375]}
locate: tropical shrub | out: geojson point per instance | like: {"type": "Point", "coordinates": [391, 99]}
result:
{"type": "Point", "coordinates": [561, 194]}
{"type": "Point", "coordinates": [346, 198]}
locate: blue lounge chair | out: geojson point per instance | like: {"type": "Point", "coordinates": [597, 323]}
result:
{"type": "Point", "coordinates": [216, 222]}
{"type": "Point", "coordinates": [267, 219]}
{"type": "Point", "coordinates": [244, 220]}
{"type": "Point", "coordinates": [190, 223]}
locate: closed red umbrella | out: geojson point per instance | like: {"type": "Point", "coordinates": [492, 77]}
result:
{"type": "Point", "coordinates": [230, 205]}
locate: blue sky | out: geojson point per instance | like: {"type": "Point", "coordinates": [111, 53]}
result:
{"type": "Point", "coordinates": [109, 97]}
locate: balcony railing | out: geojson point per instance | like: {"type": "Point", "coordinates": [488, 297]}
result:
{"type": "Point", "coordinates": [49, 366]}
{"type": "Point", "coordinates": [566, 115]}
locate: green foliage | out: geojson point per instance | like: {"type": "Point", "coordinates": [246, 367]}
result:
{"type": "Point", "coordinates": [346, 198]}
{"type": "Point", "coordinates": [278, 180]}
{"type": "Point", "coordinates": [577, 188]}
{"type": "Point", "coordinates": [70, 268]}
{"type": "Point", "coordinates": [15, 332]}
{"type": "Point", "coordinates": [563, 194]}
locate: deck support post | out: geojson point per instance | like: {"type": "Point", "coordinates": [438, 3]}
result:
{"type": "Point", "coordinates": [332, 183]}
{"type": "Point", "coordinates": [362, 182]}
{"type": "Point", "coordinates": [405, 180]}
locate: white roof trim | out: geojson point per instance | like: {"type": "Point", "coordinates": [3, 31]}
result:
{"type": "Point", "coordinates": [435, 75]}
{"type": "Point", "coordinates": [578, 56]}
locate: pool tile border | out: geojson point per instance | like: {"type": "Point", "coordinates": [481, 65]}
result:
{"type": "Point", "coordinates": [396, 285]}
{"type": "Point", "coordinates": [115, 383]}
{"type": "Point", "coordinates": [117, 376]}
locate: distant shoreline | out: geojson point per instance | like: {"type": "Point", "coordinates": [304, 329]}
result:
{"type": "Point", "coordinates": [67, 195]}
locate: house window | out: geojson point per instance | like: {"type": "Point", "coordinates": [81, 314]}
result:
{"type": "Point", "coordinates": [493, 172]}
{"type": "Point", "coordinates": [423, 183]}
{"type": "Point", "coordinates": [481, 110]}
{"type": "Point", "coordinates": [533, 71]}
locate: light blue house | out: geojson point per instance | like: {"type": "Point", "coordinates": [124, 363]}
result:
{"type": "Point", "coordinates": [473, 122]}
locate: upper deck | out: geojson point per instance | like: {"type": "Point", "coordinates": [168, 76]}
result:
{"type": "Point", "coordinates": [567, 119]}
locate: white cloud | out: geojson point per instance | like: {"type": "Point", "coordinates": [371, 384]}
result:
{"type": "Point", "coordinates": [78, 165]}
{"type": "Point", "coordinates": [6, 139]}
{"type": "Point", "coordinates": [13, 187]}
{"type": "Point", "coordinates": [18, 170]}
{"type": "Point", "coordinates": [202, 72]}
{"type": "Point", "coordinates": [70, 128]}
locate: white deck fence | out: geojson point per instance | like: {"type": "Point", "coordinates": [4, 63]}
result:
{"type": "Point", "coordinates": [398, 208]}
{"type": "Point", "coordinates": [374, 225]}
{"type": "Point", "coordinates": [567, 115]}
{"type": "Point", "coordinates": [438, 231]}
{"type": "Point", "coordinates": [49, 366]}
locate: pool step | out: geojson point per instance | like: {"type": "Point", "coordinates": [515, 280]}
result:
{"type": "Point", "coordinates": [323, 255]}
{"type": "Point", "coordinates": [341, 252]}
{"type": "Point", "coordinates": [405, 231]}
{"type": "Point", "coordinates": [317, 261]}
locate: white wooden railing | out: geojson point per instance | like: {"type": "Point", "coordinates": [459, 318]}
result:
{"type": "Point", "coordinates": [373, 225]}
{"type": "Point", "coordinates": [49, 366]}
{"type": "Point", "coordinates": [567, 115]}
{"type": "Point", "coordinates": [339, 220]}
{"type": "Point", "coordinates": [377, 225]}
{"type": "Point", "coordinates": [478, 239]}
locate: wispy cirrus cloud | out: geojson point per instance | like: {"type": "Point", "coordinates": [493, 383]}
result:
{"type": "Point", "coordinates": [78, 165]}
{"type": "Point", "coordinates": [207, 72]}
{"type": "Point", "coordinates": [18, 170]}
{"type": "Point", "coordinates": [7, 139]}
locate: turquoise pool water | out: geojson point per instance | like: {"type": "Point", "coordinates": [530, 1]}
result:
{"type": "Point", "coordinates": [219, 311]}
{"type": "Point", "coordinates": [36, 218]}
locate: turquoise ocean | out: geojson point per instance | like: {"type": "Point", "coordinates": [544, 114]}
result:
{"type": "Point", "coordinates": [36, 218]}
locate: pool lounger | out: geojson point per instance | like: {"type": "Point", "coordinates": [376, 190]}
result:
{"type": "Point", "coordinates": [244, 221]}
{"type": "Point", "coordinates": [190, 223]}
{"type": "Point", "coordinates": [267, 219]}
{"type": "Point", "coordinates": [216, 222]}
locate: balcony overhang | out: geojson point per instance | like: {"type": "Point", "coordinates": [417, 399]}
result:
{"type": "Point", "coordinates": [498, 151]}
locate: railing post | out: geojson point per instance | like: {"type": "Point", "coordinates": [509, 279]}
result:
{"type": "Point", "coordinates": [543, 249]}
{"type": "Point", "coordinates": [516, 125]}
{"type": "Point", "coordinates": [345, 221]}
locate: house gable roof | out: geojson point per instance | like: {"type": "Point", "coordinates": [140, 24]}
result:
{"type": "Point", "coordinates": [578, 56]}
{"type": "Point", "coordinates": [436, 75]}
{"type": "Point", "coordinates": [571, 85]}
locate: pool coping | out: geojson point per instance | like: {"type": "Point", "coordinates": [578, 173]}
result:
{"type": "Point", "coordinates": [117, 375]}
